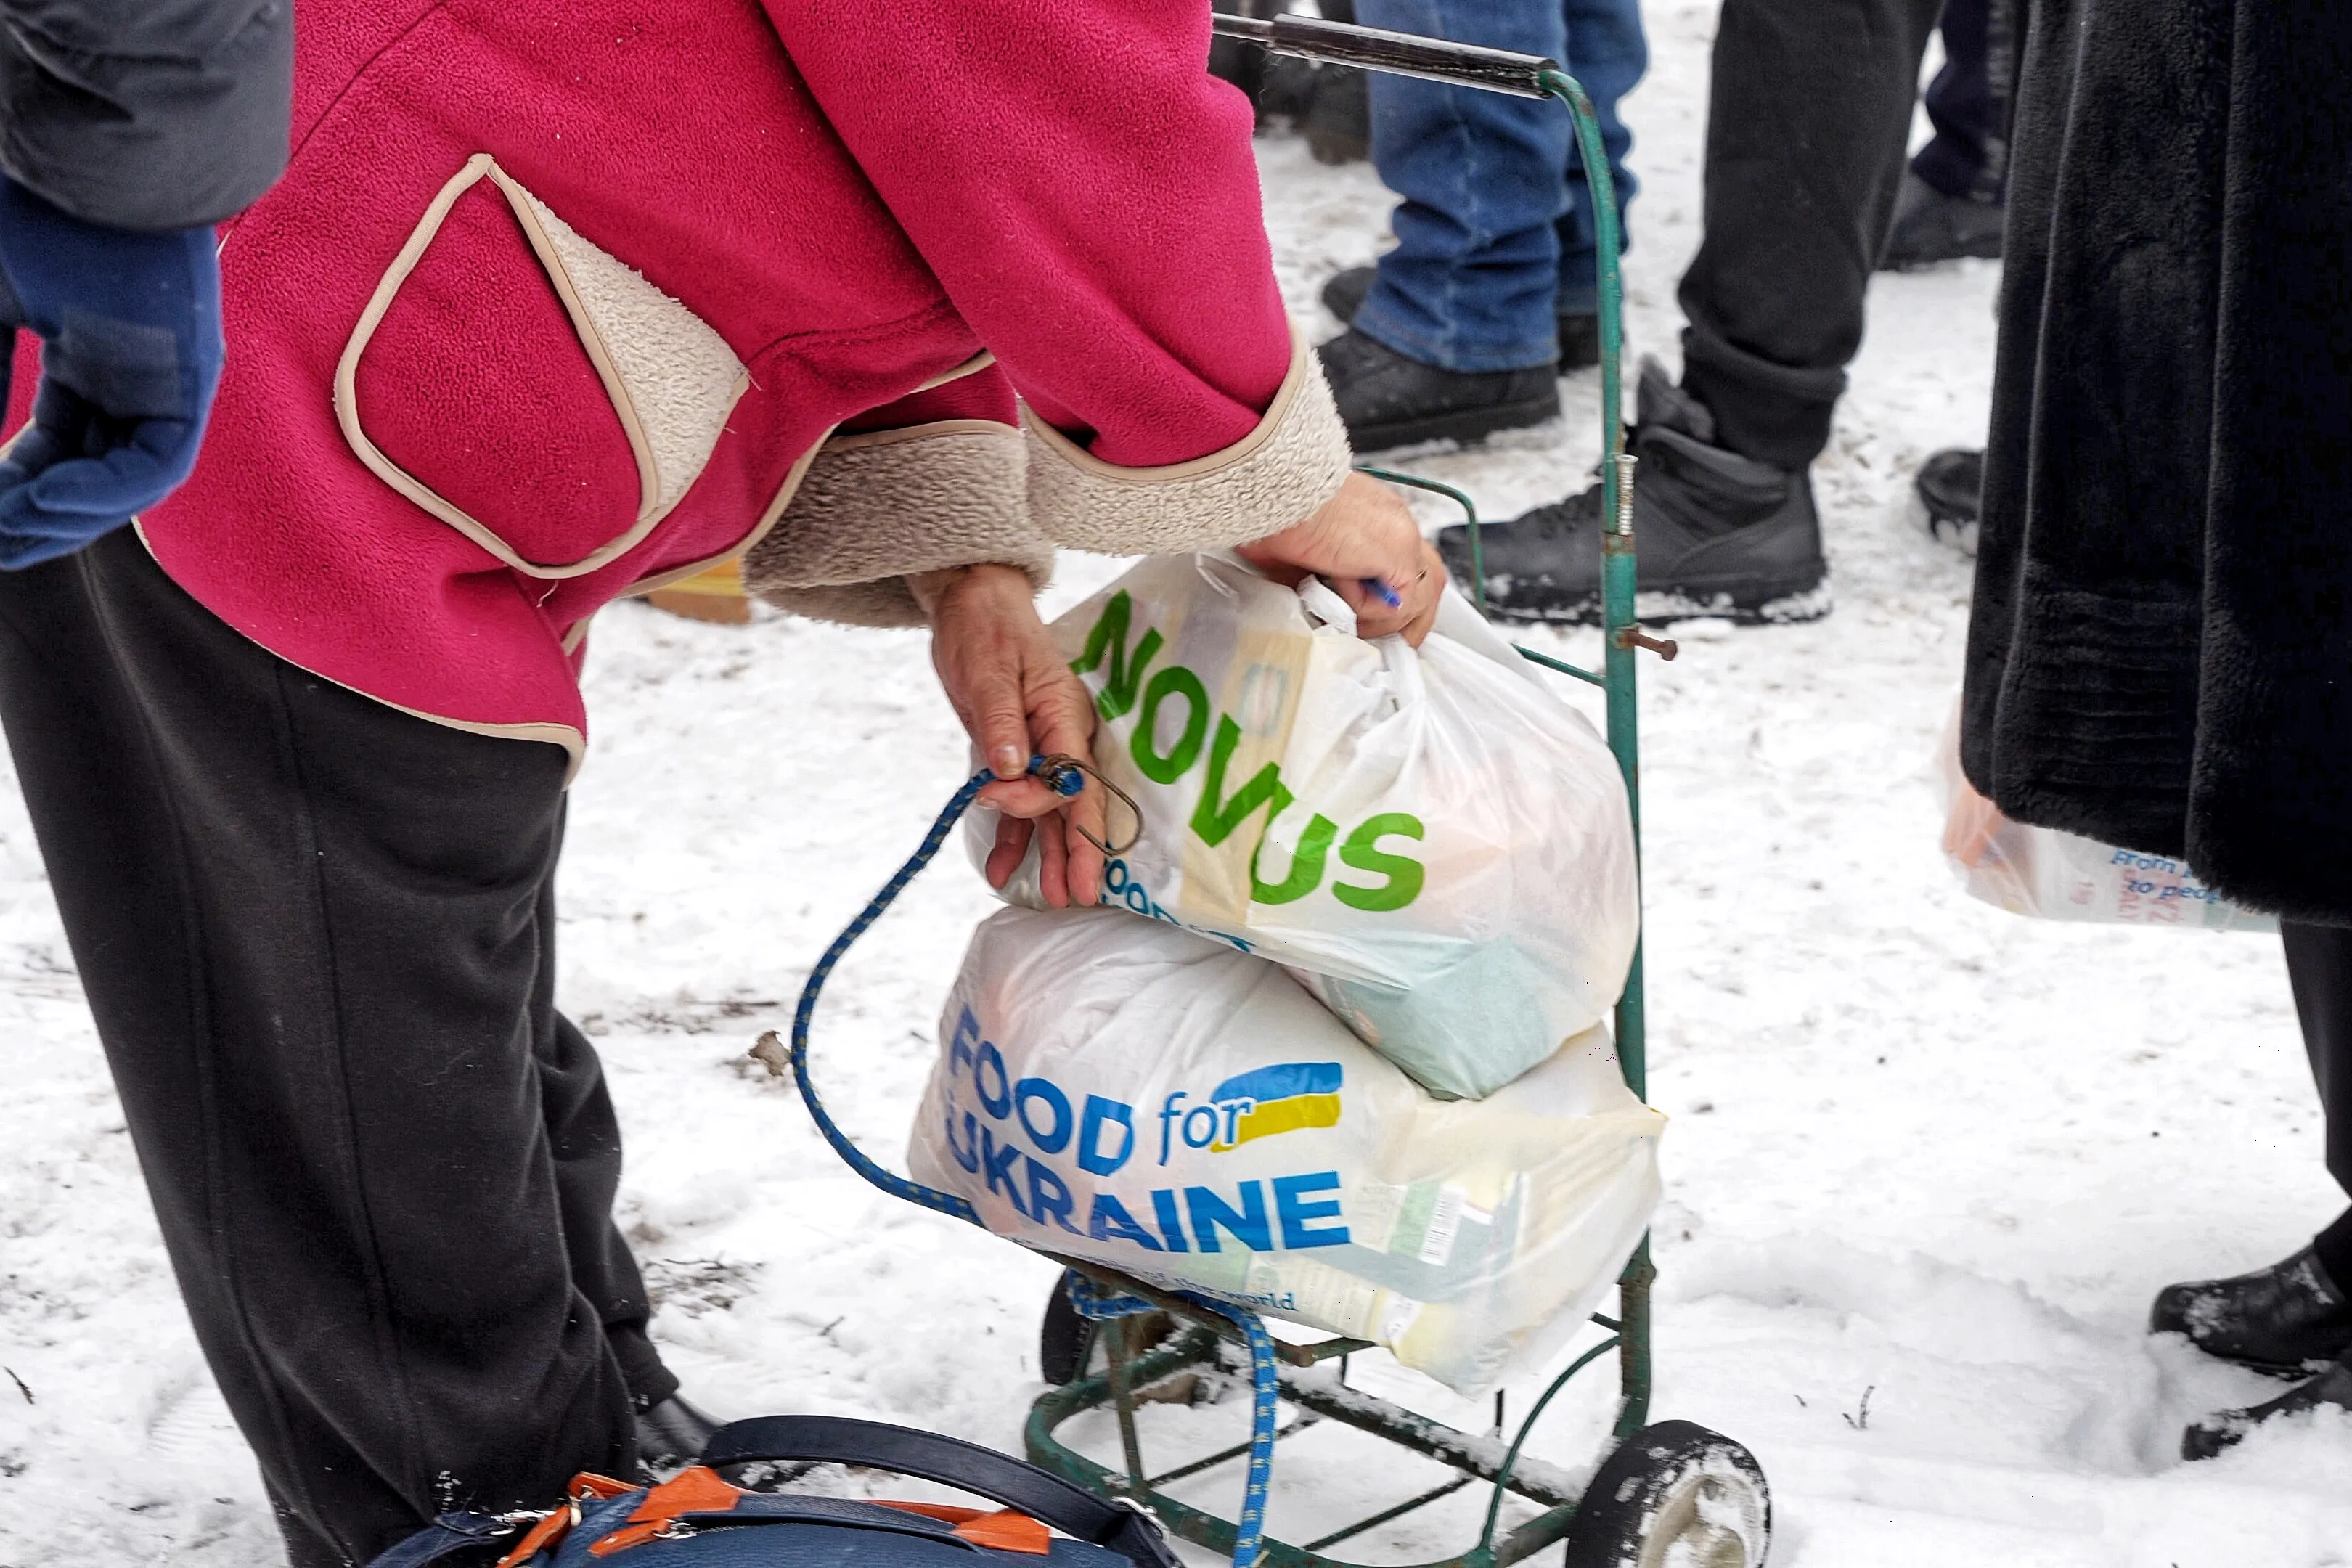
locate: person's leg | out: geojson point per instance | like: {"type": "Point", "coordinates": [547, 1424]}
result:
{"type": "Point", "coordinates": [1808, 118]}
{"type": "Point", "coordinates": [2319, 969]}
{"type": "Point", "coordinates": [1470, 285]}
{"type": "Point", "coordinates": [2297, 1312]}
{"type": "Point", "coordinates": [313, 933]}
{"type": "Point", "coordinates": [1950, 206]}
{"type": "Point", "coordinates": [1969, 122]}
{"type": "Point", "coordinates": [1806, 130]}
{"type": "Point", "coordinates": [584, 1138]}
{"type": "Point", "coordinates": [1607, 54]}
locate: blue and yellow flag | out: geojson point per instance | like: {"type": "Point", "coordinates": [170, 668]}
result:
{"type": "Point", "coordinates": [1284, 1097]}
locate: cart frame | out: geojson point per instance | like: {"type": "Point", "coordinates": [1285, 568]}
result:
{"type": "Point", "coordinates": [1206, 1341]}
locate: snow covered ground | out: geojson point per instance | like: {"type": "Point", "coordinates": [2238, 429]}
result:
{"type": "Point", "coordinates": [1928, 1161]}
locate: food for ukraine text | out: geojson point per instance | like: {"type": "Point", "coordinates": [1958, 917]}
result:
{"type": "Point", "coordinates": [1101, 1139]}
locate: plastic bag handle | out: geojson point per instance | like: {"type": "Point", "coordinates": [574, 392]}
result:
{"type": "Point", "coordinates": [951, 1461]}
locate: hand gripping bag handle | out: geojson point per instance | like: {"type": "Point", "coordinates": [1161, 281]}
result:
{"type": "Point", "coordinates": [951, 1461]}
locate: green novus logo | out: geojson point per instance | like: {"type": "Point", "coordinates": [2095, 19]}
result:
{"type": "Point", "coordinates": [1222, 812]}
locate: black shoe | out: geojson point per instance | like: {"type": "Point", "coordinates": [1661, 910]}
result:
{"type": "Point", "coordinates": [1387, 400]}
{"type": "Point", "coordinates": [671, 1436]}
{"type": "Point", "coordinates": [2279, 1319]}
{"type": "Point", "coordinates": [1950, 488]}
{"type": "Point", "coordinates": [2225, 1428]}
{"type": "Point", "coordinates": [1579, 335]}
{"type": "Point", "coordinates": [1930, 227]}
{"type": "Point", "coordinates": [1714, 533]}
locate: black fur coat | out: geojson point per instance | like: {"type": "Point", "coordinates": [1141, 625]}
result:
{"type": "Point", "coordinates": [2160, 655]}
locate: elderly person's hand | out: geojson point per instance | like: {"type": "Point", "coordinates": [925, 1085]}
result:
{"type": "Point", "coordinates": [1017, 698]}
{"type": "Point", "coordinates": [1364, 533]}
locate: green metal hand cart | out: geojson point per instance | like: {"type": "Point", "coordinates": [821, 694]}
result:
{"type": "Point", "coordinates": [1668, 1495]}
{"type": "Point", "coordinates": [1672, 1493]}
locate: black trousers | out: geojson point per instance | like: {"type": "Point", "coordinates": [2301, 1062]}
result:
{"type": "Point", "coordinates": [317, 935]}
{"type": "Point", "coordinates": [2319, 968]}
{"type": "Point", "coordinates": [1809, 117]}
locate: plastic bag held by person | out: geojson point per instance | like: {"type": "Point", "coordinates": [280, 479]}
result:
{"type": "Point", "coordinates": [2061, 876]}
{"type": "Point", "coordinates": [1157, 1100]}
{"type": "Point", "coordinates": [1435, 844]}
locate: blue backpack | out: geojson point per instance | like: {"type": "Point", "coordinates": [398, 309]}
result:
{"type": "Point", "coordinates": [699, 1520]}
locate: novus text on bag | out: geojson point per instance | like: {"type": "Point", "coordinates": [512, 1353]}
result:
{"type": "Point", "coordinates": [1434, 842]}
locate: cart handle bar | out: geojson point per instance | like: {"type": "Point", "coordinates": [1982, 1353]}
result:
{"type": "Point", "coordinates": [1398, 53]}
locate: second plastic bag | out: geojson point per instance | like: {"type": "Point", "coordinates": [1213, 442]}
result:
{"type": "Point", "coordinates": [1155, 1101]}
{"type": "Point", "coordinates": [1436, 845]}
{"type": "Point", "coordinates": [2057, 876]}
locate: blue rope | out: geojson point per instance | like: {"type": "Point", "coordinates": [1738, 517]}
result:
{"type": "Point", "coordinates": [1089, 1300]}
{"type": "Point", "coordinates": [1094, 1302]}
{"type": "Point", "coordinates": [889, 1182]}
{"type": "Point", "coordinates": [1264, 1392]}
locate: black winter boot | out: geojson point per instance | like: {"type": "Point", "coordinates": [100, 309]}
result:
{"type": "Point", "coordinates": [2224, 1428]}
{"type": "Point", "coordinates": [2279, 1319]}
{"type": "Point", "coordinates": [1930, 227]}
{"type": "Point", "coordinates": [1714, 533]}
{"type": "Point", "coordinates": [1579, 335]}
{"type": "Point", "coordinates": [1950, 489]}
{"type": "Point", "coordinates": [1388, 400]}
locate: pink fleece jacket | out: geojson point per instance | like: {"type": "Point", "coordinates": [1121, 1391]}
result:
{"type": "Point", "coordinates": [559, 298]}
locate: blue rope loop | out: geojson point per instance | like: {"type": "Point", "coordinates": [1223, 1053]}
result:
{"type": "Point", "coordinates": [888, 1181]}
{"type": "Point", "coordinates": [1064, 779]}
{"type": "Point", "coordinates": [1096, 1303]}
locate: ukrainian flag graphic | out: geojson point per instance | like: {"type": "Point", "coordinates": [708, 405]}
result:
{"type": "Point", "coordinates": [1283, 1098]}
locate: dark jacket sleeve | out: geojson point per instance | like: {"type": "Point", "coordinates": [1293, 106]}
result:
{"type": "Point", "coordinates": [146, 114]}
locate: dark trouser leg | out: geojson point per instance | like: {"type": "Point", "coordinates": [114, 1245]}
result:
{"type": "Point", "coordinates": [2319, 968]}
{"type": "Point", "coordinates": [314, 933]}
{"type": "Point", "coordinates": [1968, 102]}
{"type": "Point", "coordinates": [1807, 124]}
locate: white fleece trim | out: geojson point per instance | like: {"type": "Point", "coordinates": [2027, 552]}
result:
{"type": "Point", "coordinates": [878, 506]}
{"type": "Point", "coordinates": [1278, 474]}
{"type": "Point", "coordinates": [659, 363]}
{"type": "Point", "coordinates": [677, 374]}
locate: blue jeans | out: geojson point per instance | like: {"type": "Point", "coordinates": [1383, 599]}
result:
{"type": "Point", "coordinates": [1495, 232]}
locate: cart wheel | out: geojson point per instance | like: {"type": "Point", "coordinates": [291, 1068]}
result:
{"type": "Point", "coordinates": [1677, 1494]}
{"type": "Point", "coordinates": [1065, 1341]}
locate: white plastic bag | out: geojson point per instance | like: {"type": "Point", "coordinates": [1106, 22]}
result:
{"type": "Point", "coordinates": [2061, 876]}
{"type": "Point", "coordinates": [1133, 1093]}
{"type": "Point", "coordinates": [1434, 841]}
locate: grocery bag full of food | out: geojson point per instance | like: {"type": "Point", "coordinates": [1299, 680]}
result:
{"type": "Point", "coordinates": [1135, 1094]}
{"type": "Point", "coordinates": [1432, 840]}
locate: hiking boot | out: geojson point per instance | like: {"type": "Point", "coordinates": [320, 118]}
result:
{"type": "Point", "coordinates": [1930, 227]}
{"type": "Point", "coordinates": [1579, 335]}
{"type": "Point", "coordinates": [1714, 533]}
{"type": "Point", "coordinates": [1951, 491]}
{"type": "Point", "coordinates": [2204, 1438]}
{"type": "Point", "coordinates": [1387, 400]}
{"type": "Point", "coordinates": [2279, 1319]}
